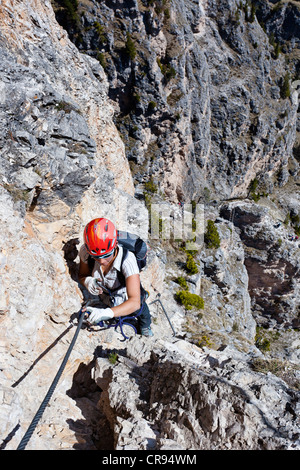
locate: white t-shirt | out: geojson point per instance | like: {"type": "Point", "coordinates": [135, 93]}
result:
{"type": "Point", "coordinates": [110, 280]}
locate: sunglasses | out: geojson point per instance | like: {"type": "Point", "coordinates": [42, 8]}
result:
{"type": "Point", "coordinates": [107, 255]}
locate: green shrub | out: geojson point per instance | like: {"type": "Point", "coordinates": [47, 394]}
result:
{"type": "Point", "coordinates": [261, 342]}
{"type": "Point", "coordinates": [150, 186]}
{"type": "Point", "coordinates": [170, 72]}
{"type": "Point", "coordinates": [204, 341]}
{"type": "Point", "coordinates": [282, 369]}
{"type": "Point", "coordinates": [189, 300]}
{"type": "Point", "coordinates": [17, 194]}
{"type": "Point", "coordinates": [167, 70]}
{"type": "Point", "coordinates": [66, 107]}
{"type": "Point", "coordinates": [100, 31]}
{"type": "Point", "coordinates": [113, 357]}
{"type": "Point", "coordinates": [252, 190]}
{"type": "Point", "coordinates": [287, 220]}
{"type": "Point", "coordinates": [152, 105]}
{"type": "Point", "coordinates": [277, 50]}
{"type": "Point", "coordinates": [295, 219]}
{"type": "Point", "coordinates": [255, 197]}
{"type": "Point", "coordinates": [71, 7]}
{"type": "Point", "coordinates": [253, 185]}
{"type": "Point", "coordinates": [182, 282]}
{"type": "Point", "coordinates": [130, 47]}
{"type": "Point", "coordinates": [101, 58]}
{"type": "Point", "coordinates": [285, 90]}
{"type": "Point", "coordinates": [191, 265]}
{"type": "Point", "coordinates": [211, 236]}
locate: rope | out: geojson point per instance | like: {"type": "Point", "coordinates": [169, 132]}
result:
{"type": "Point", "coordinates": [49, 394]}
{"type": "Point", "coordinates": [158, 300]}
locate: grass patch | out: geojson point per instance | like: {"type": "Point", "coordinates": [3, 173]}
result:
{"type": "Point", "coordinates": [281, 369]}
{"type": "Point", "coordinates": [113, 357]}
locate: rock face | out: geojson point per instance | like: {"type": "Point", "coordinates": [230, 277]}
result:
{"type": "Point", "coordinates": [199, 87]}
{"type": "Point", "coordinates": [179, 397]}
{"type": "Point", "coordinates": [271, 261]}
{"type": "Point", "coordinates": [191, 101]}
{"type": "Point", "coordinates": [62, 163]}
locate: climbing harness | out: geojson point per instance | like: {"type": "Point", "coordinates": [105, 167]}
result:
{"type": "Point", "coordinates": [158, 300]}
{"type": "Point", "coordinates": [49, 394]}
{"type": "Point", "coordinates": [121, 322]}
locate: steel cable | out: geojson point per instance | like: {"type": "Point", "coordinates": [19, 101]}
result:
{"type": "Point", "coordinates": [49, 394]}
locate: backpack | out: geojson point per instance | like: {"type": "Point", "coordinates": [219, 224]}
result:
{"type": "Point", "coordinates": [136, 245]}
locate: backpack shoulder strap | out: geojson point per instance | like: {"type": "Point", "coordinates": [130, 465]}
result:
{"type": "Point", "coordinates": [91, 263]}
{"type": "Point", "coordinates": [121, 276]}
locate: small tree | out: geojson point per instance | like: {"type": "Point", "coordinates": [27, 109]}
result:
{"type": "Point", "coordinates": [277, 50]}
{"type": "Point", "coordinates": [130, 47]}
{"type": "Point", "coordinates": [71, 7]}
{"type": "Point", "coordinates": [211, 236]}
{"type": "Point", "coordinates": [191, 265]}
{"type": "Point", "coordinates": [252, 190]}
{"type": "Point", "coordinates": [285, 90]}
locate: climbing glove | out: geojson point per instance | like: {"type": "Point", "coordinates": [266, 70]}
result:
{"type": "Point", "coordinates": [98, 314]}
{"type": "Point", "coordinates": [92, 286]}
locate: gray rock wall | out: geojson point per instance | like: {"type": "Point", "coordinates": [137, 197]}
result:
{"type": "Point", "coordinates": [200, 97]}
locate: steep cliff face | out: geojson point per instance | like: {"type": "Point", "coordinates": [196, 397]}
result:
{"type": "Point", "coordinates": [206, 98]}
{"type": "Point", "coordinates": [62, 163]}
{"type": "Point", "coordinates": [271, 260]}
{"type": "Point", "coordinates": [59, 144]}
{"type": "Point", "coordinates": [199, 87]}
{"type": "Point", "coordinates": [182, 85]}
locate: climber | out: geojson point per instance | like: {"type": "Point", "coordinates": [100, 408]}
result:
{"type": "Point", "coordinates": [103, 277]}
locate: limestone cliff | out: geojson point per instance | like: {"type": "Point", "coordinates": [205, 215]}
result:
{"type": "Point", "coordinates": [73, 146]}
{"type": "Point", "coordinates": [198, 87]}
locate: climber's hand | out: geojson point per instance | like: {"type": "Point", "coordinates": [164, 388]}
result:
{"type": "Point", "coordinates": [92, 286]}
{"type": "Point", "coordinates": [95, 315]}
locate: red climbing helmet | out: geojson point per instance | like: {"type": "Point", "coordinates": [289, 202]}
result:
{"type": "Point", "coordinates": [100, 237]}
